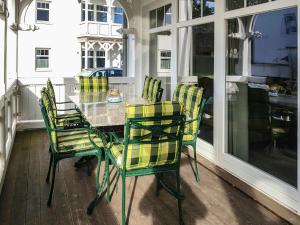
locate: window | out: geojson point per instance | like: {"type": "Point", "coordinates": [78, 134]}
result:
{"type": "Point", "coordinates": [100, 59]}
{"type": "Point", "coordinates": [42, 58]}
{"type": "Point", "coordinates": [90, 12]}
{"type": "Point", "coordinates": [262, 96]}
{"type": "Point", "coordinates": [101, 13]}
{"type": "Point", "coordinates": [191, 9]}
{"type": "Point", "coordinates": [42, 11]}
{"type": "Point", "coordinates": [118, 15]}
{"type": "Point", "coordinates": [82, 12]}
{"type": "Point", "coordinates": [90, 59]}
{"type": "Point", "coordinates": [161, 16]}
{"type": "Point", "coordinates": [196, 58]}
{"type": "Point", "coordinates": [165, 60]}
{"type": "Point", "coordinates": [82, 59]}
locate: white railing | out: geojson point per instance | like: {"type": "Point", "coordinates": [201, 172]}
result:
{"type": "Point", "coordinates": [100, 29]}
{"type": "Point", "coordinates": [30, 116]}
{"type": "Point", "coordinates": [8, 120]}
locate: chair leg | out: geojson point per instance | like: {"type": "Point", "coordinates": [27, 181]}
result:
{"type": "Point", "coordinates": [179, 199]}
{"type": "Point", "coordinates": [123, 199]}
{"type": "Point", "coordinates": [52, 184]}
{"type": "Point", "coordinates": [196, 164]}
{"type": "Point", "coordinates": [98, 170]}
{"type": "Point", "coordinates": [108, 180]}
{"type": "Point", "coordinates": [49, 169]}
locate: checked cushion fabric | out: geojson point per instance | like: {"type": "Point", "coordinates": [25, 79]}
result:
{"type": "Point", "coordinates": [93, 84]}
{"type": "Point", "coordinates": [191, 97]}
{"type": "Point", "coordinates": [156, 142]}
{"type": "Point", "coordinates": [74, 141]}
{"type": "Point", "coordinates": [51, 93]}
{"type": "Point", "coordinates": [146, 87]}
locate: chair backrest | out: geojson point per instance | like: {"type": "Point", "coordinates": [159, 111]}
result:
{"type": "Point", "coordinates": [48, 116]}
{"type": "Point", "coordinates": [93, 84]}
{"type": "Point", "coordinates": [192, 99]}
{"type": "Point", "coordinates": [146, 87]}
{"type": "Point", "coordinates": [153, 135]}
{"type": "Point", "coordinates": [52, 97]}
{"type": "Point", "coordinates": [152, 89]}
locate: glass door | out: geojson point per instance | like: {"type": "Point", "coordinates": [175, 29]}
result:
{"type": "Point", "coordinates": [262, 92]}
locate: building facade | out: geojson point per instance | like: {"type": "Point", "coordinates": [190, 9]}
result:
{"type": "Point", "coordinates": [68, 36]}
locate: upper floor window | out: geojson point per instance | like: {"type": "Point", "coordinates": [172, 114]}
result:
{"type": "Point", "coordinates": [165, 60]}
{"type": "Point", "coordinates": [90, 12]}
{"type": "Point", "coordinates": [101, 13]}
{"type": "Point", "coordinates": [82, 12]}
{"type": "Point", "coordinates": [42, 58]}
{"type": "Point", "coordinates": [161, 16]}
{"type": "Point", "coordinates": [118, 15]}
{"type": "Point", "coordinates": [42, 11]}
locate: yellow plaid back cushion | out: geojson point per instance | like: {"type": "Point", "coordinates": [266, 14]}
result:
{"type": "Point", "coordinates": [156, 88]}
{"type": "Point", "coordinates": [161, 150]}
{"type": "Point", "coordinates": [93, 84]}
{"type": "Point", "coordinates": [191, 97]}
{"type": "Point", "coordinates": [51, 93]}
{"type": "Point", "coordinates": [146, 87]}
{"type": "Point", "coordinates": [50, 115]}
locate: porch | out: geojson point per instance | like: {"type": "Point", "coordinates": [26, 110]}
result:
{"type": "Point", "coordinates": [23, 200]}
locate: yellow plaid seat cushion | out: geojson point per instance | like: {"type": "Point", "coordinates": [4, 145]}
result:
{"type": "Point", "coordinates": [191, 97]}
{"type": "Point", "coordinates": [93, 84]}
{"type": "Point", "coordinates": [146, 87]}
{"type": "Point", "coordinates": [74, 141]}
{"type": "Point", "coordinates": [156, 153]}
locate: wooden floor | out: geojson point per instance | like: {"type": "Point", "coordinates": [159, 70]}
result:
{"type": "Point", "coordinates": [24, 195]}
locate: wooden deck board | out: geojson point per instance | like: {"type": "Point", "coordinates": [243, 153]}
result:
{"type": "Point", "coordinates": [24, 195]}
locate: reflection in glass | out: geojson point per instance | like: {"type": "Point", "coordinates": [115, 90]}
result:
{"type": "Point", "coordinates": [153, 18]}
{"type": "Point", "coordinates": [168, 14]}
{"type": "Point", "coordinates": [160, 54]}
{"type": "Point", "coordinates": [196, 58]}
{"type": "Point", "coordinates": [208, 7]}
{"type": "Point", "coordinates": [160, 16]}
{"type": "Point", "coordinates": [262, 107]}
{"type": "Point", "coordinates": [234, 4]}
{"type": "Point", "coordinates": [256, 2]}
{"type": "Point", "coordinates": [191, 9]}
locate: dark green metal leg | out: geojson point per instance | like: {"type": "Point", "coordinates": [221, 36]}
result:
{"type": "Point", "coordinates": [196, 163]}
{"type": "Point", "coordinates": [52, 184]}
{"type": "Point", "coordinates": [49, 169]}
{"type": "Point", "coordinates": [98, 170]}
{"type": "Point", "coordinates": [123, 199]}
{"type": "Point", "coordinates": [179, 199]}
{"type": "Point", "coordinates": [108, 180]}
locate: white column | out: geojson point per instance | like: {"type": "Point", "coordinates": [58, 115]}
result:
{"type": "Point", "coordinates": [9, 116]}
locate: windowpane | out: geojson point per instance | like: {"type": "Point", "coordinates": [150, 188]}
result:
{"type": "Point", "coordinates": [118, 15]}
{"type": "Point", "coordinates": [82, 12]}
{"type": "Point", "coordinates": [153, 18]}
{"type": "Point", "coordinates": [255, 2]}
{"type": "Point", "coordinates": [160, 16]}
{"type": "Point", "coordinates": [208, 7]}
{"type": "Point", "coordinates": [102, 17]}
{"type": "Point", "coordinates": [196, 58]}
{"type": "Point", "coordinates": [100, 62]}
{"type": "Point", "coordinates": [234, 4]}
{"type": "Point", "coordinates": [41, 58]}
{"type": "Point", "coordinates": [262, 107]}
{"type": "Point", "coordinates": [90, 63]}
{"type": "Point", "coordinates": [42, 15]}
{"type": "Point", "coordinates": [196, 8]}
{"type": "Point", "coordinates": [168, 14]}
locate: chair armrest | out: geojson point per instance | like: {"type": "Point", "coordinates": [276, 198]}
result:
{"type": "Point", "coordinates": [100, 135]}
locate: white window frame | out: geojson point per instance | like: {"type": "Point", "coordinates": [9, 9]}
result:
{"type": "Point", "coordinates": [160, 58]}
{"type": "Point", "coordinates": [43, 9]}
{"type": "Point", "coordinates": [42, 69]}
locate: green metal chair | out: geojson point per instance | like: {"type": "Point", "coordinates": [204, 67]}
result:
{"type": "Point", "coordinates": [152, 146]}
{"type": "Point", "coordinates": [152, 90]}
{"type": "Point", "coordinates": [93, 84]}
{"type": "Point", "coordinates": [194, 103]}
{"type": "Point", "coordinates": [68, 143]}
{"type": "Point", "coordinates": [70, 118]}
